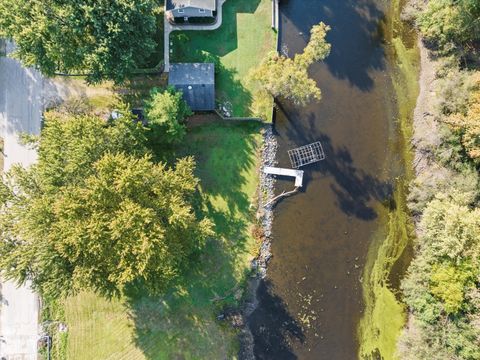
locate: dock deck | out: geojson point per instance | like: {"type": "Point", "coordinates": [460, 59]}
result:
{"type": "Point", "coordinates": [297, 174]}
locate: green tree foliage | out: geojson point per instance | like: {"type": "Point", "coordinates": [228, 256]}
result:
{"type": "Point", "coordinates": [89, 216]}
{"type": "Point", "coordinates": [448, 284]}
{"type": "Point", "coordinates": [462, 185]}
{"type": "Point", "coordinates": [317, 48]}
{"type": "Point", "coordinates": [166, 112]}
{"type": "Point", "coordinates": [442, 287]}
{"type": "Point", "coordinates": [450, 22]}
{"type": "Point", "coordinates": [288, 78]}
{"type": "Point", "coordinates": [466, 122]}
{"type": "Point", "coordinates": [107, 39]}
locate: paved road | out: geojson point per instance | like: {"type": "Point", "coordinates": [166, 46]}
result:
{"type": "Point", "coordinates": [21, 106]}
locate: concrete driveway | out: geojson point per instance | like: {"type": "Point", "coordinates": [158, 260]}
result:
{"type": "Point", "coordinates": [21, 106]}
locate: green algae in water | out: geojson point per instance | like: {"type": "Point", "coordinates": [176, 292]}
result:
{"type": "Point", "coordinates": [384, 315]}
{"type": "Point", "coordinates": [390, 251]}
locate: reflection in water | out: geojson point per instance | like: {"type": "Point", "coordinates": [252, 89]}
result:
{"type": "Point", "coordinates": [311, 302]}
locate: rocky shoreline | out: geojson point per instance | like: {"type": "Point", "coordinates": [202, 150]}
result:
{"type": "Point", "coordinates": [265, 195]}
{"type": "Point", "coordinates": [265, 219]}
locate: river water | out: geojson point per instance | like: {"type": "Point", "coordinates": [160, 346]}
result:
{"type": "Point", "coordinates": [311, 302]}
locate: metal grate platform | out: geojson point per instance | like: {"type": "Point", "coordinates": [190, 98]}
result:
{"type": "Point", "coordinates": [307, 154]}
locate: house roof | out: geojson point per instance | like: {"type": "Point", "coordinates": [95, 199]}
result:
{"type": "Point", "coordinates": [201, 4]}
{"type": "Point", "coordinates": [197, 83]}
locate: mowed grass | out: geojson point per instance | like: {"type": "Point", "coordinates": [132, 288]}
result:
{"type": "Point", "coordinates": [183, 323]}
{"type": "Point", "coordinates": [239, 45]}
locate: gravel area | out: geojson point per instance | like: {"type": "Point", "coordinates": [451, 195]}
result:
{"type": "Point", "coordinates": [266, 193]}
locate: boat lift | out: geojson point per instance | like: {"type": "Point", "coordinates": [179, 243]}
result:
{"type": "Point", "coordinates": [304, 155]}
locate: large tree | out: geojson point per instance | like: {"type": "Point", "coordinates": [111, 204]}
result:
{"type": "Point", "coordinates": [288, 78]}
{"type": "Point", "coordinates": [104, 38]}
{"type": "Point", "coordinates": [89, 216]}
{"type": "Point", "coordinates": [166, 113]}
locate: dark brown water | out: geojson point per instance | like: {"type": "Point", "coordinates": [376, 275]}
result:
{"type": "Point", "coordinates": [311, 301]}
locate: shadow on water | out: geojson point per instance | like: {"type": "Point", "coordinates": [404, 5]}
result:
{"type": "Point", "coordinates": [354, 188]}
{"type": "Point", "coordinates": [275, 328]}
{"type": "Point", "coordinates": [323, 234]}
{"type": "Point", "coordinates": [355, 34]}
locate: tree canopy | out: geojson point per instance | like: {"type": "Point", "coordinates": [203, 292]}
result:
{"type": "Point", "coordinates": [441, 287]}
{"type": "Point", "coordinates": [288, 78]}
{"type": "Point", "coordinates": [450, 22]}
{"type": "Point", "coordinates": [467, 121]}
{"type": "Point", "coordinates": [166, 112]}
{"type": "Point", "coordinates": [106, 39]}
{"type": "Point", "coordinates": [89, 216]}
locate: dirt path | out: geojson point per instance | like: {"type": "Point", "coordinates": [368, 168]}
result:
{"type": "Point", "coordinates": [426, 134]}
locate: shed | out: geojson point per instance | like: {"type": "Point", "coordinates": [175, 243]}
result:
{"type": "Point", "coordinates": [197, 83]}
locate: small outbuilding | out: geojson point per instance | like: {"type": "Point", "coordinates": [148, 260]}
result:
{"type": "Point", "coordinates": [197, 83]}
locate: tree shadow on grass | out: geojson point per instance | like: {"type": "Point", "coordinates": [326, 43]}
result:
{"type": "Point", "coordinates": [156, 57]}
{"type": "Point", "coordinates": [218, 42]}
{"type": "Point", "coordinates": [229, 89]}
{"type": "Point", "coordinates": [137, 89]}
{"type": "Point", "coordinates": [210, 46]}
{"type": "Point", "coordinates": [182, 323]}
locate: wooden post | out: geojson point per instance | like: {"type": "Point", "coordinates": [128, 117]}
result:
{"type": "Point", "coordinates": [273, 14]}
{"type": "Point", "coordinates": [277, 15]}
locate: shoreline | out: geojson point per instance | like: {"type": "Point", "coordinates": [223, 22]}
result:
{"type": "Point", "coordinates": [384, 316]}
{"type": "Point", "coordinates": [266, 188]}
{"type": "Point", "coordinates": [425, 130]}
{"type": "Point", "coordinates": [265, 195]}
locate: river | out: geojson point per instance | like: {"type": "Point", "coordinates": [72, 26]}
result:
{"type": "Point", "coordinates": [312, 301]}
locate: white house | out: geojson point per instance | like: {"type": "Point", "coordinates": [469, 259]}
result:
{"type": "Point", "coordinates": [190, 8]}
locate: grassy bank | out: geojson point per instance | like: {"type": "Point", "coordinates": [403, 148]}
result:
{"type": "Point", "coordinates": [242, 41]}
{"type": "Point", "coordinates": [183, 324]}
{"type": "Point", "coordinates": [390, 252]}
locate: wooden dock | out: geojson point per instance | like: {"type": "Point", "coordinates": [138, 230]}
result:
{"type": "Point", "coordinates": [297, 174]}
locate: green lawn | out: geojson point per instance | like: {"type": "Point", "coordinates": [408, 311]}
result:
{"type": "Point", "coordinates": [240, 44]}
{"type": "Point", "coordinates": [182, 324]}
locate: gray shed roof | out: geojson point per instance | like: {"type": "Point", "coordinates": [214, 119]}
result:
{"type": "Point", "coordinates": [201, 4]}
{"type": "Point", "coordinates": [197, 83]}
